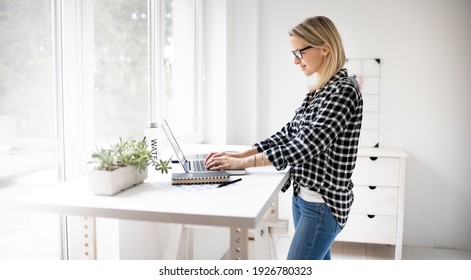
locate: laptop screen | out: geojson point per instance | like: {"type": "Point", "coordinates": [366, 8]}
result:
{"type": "Point", "coordinates": [174, 143]}
{"type": "Point", "coordinates": [181, 157]}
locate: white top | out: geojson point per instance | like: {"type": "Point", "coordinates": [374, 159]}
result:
{"type": "Point", "coordinates": [310, 196]}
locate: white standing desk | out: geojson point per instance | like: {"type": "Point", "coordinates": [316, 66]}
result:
{"type": "Point", "coordinates": [248, 204]}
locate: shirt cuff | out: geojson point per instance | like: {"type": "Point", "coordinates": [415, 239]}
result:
{"type": "Point", "coordinates": [259, 147]}
{"type": "Point", "coordinates": [275, 156]}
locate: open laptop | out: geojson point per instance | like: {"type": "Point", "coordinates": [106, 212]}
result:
{"type": "Point", "coordinates": [196, 165]}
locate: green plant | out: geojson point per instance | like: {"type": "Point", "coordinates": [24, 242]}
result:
{"type": "Point", "coordinates": [163, 166]}
{"type": "Point", "coordinates": [129, 153]}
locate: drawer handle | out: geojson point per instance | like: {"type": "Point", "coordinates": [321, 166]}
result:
{"type": "Point", "coordinates": [371, 216]}
{"type": "Point", "coordinates": [372, 187]}
{"type": "Point", "coordinates": [375, 158]}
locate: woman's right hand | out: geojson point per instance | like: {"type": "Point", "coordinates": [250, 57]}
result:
{"type": "Point", "coordinates": [229, 160]}
{"type": "Point", "coordinates": [223, 160]}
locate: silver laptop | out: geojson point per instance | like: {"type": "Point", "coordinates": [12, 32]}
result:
{"type": "Point", "coordinates": [196, 165]}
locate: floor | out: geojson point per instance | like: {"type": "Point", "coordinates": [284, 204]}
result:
{"type": "Point", "coordinates": [15, 248]}
{"type": "Point", "coordinates": [361, 251]}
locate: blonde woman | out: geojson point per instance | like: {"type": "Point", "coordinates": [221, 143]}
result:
{"type": "Point", "coordinates": [319, 144]}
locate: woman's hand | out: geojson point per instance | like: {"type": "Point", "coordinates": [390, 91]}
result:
{"type": "Point", "coordinates": [224, 160]}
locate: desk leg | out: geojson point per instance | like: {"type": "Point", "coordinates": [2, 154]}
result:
{"type": "Point", "coordinates": [177, 245]}
{"type": "Point", "coordinates": [239, 249]}
{"type": "Point", "coordinates": [272, 213]}
{"type": "Point", "coordinates": [264, 244]}
{"type": "Point", "coordinates": [79, 238]}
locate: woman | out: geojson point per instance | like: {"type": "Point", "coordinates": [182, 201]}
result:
{"type": "Point", "coordinates": [319, 144]}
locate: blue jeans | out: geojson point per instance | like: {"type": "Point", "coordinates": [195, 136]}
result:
{"type": "Point", "coordinates": [315, 231]}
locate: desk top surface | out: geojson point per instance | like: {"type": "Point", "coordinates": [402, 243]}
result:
{"type": "Point", "coordinates": [241, 204]}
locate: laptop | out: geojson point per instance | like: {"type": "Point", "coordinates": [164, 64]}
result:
{"type": "Point", "coordinates": [194, 165]}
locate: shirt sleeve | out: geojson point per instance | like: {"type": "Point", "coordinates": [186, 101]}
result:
{"type": "Point", "coordinates": [318, 129]}
{"type": "Point", "coordinates": [279, 138]}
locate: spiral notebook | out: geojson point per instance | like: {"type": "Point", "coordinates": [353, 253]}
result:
{"type": "Point", "coordinates": [211, 177]}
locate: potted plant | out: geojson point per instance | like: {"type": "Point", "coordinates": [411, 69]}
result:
{"type": "Point", "coordinates": [122, 166]}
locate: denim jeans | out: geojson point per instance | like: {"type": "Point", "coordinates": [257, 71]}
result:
{"type": "Point", "coordinates": [315, 231]}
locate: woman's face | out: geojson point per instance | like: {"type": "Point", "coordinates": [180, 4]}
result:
{"type": "Point", "coordinates": [312, 58]}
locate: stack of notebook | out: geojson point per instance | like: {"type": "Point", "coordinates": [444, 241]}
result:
{"type": "Point", "coordinates": [210, 177]}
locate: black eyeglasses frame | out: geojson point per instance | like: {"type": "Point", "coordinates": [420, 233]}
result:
{"type": "Point", "coordinates": [299, 53]}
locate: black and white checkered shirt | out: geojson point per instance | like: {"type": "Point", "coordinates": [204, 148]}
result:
{"type": "Point", "coordinates": [320, 144]}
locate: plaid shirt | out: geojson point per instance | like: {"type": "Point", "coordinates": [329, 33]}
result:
{"type": "Point", "coordinates": [320, 144]}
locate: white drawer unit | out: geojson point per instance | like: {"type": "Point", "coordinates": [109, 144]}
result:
{"type": "Point", "coordinates": [374, 200]}
{"type": "Point", "coordinates": [367, 228]}
{"type": "Point", "coordinates": [377, 214]}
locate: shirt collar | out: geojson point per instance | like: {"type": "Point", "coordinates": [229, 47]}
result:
{"type": "Point", "coordinates": [342, 73]}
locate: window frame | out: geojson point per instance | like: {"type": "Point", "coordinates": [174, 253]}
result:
{"type": "Point", "coordinates": [157, 81]}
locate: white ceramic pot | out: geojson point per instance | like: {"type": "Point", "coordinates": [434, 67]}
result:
{"type": "Point", "coordinates": [102, 182]}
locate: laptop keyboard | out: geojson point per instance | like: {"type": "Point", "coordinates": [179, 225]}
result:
{"type": "Point", "coordinates": [198, 165]}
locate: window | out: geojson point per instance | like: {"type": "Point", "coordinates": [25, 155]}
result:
{"type": "Point", "coordinates": [30, 150]}
{"type": "Point", "coordinates": [120, 80]}
{"type": "Point", "coordinates": [128, 37]}
{"type": "Point", "coordinates": [76, 74]}
{"type": "Point", "coordinates": [180, 83]}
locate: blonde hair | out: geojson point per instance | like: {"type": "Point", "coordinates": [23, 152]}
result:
{"type": "Point", "coordinates": [321, 32]}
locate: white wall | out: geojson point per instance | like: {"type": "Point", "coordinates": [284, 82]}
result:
{"type": "Point", "coordinates": [425, 51]}
{"type": "Point", "coordinates": [230, 71]}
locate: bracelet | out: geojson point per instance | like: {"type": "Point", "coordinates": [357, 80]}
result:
{"type": "Point", "coordinates": [254, 160]}
{"type": "Point", "coordinates": [263, 161]}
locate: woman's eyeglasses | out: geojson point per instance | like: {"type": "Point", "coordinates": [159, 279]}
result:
{"type": "Point", "coordinates": [299, 53]}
